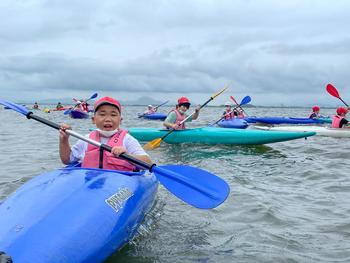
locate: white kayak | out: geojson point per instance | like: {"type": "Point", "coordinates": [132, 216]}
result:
{"type": "Point", "coordinates": [320, 130]}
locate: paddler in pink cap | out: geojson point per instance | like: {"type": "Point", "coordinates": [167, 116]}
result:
{"type": "Point", "coordinates": [107, 118]}
{"type": "Point", "coordinates": [175, 118]}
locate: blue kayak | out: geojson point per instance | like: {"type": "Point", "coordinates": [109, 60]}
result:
{"type": "Point", "coordinates": [154, 116]}
{"type": "Point", "coordinates": [77, 114]}
{"type": "Point", "coordinates": [233, 123]}
{"type": "Point", "coordinates": [74, 214]}
{"type": "Point", "coordinates": [285, 120]}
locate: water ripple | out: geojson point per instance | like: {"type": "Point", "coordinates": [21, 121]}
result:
{"type": "Point", "coordinates": [289, 201]}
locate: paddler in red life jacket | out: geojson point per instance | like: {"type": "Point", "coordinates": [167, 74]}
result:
{"type": "Point", "coordinates": [240, 113]}
{"type": "Point", "coordinates": [78, 106]}
{"type": "Point", "coordinates": [107, 118]}
{"type": "Point", "coordinates": [177, 115]}
{"type": "Point", "coordinates": [315, 112]}
{"type": "Point", "coordinates": [85, 106]}
{"type": "Point", "coordinates": [82, 106]}
{"type": "Point", "coordinates": [228, 112]}
{"type": "Point", "coordinates": [339, 120]}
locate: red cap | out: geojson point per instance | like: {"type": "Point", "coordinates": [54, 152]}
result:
{"type": "Point", "coordinates": [315, 108]}
{"type": "Point", "coordinates": [107, 100]}
{"type": "Point", "coordinates": [342, 110]}
{"type": "Point", "coordinates": [183, 100]}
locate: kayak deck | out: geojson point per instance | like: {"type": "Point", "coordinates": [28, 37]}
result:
{"type": "Point", "coordinates": [153, 116]}
{"type": "Point", "coordinates": [233, 123]}
{"type": "Point", "coordinates": [211, 135]}
{"type": "Point", "coordinates": [77, 114]}
{"type": "Point", "coordinates": [74, 215]}
{"type": "Point", "coordinates": [286, 120]}
{"type": "Point", "coordinates": [320, 130]}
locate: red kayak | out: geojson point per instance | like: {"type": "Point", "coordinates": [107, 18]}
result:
{"type": "Point", "coordinates": [60, 109]}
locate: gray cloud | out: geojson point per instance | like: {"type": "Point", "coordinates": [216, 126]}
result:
{"type": "Point", "coordinates": [174, 47]}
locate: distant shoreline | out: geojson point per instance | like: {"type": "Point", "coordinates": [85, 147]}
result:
{"type": "Point", "coordinates": [208, 106]}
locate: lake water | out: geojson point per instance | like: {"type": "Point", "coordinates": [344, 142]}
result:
{"type": "Point", "coordinates": [289, 201]}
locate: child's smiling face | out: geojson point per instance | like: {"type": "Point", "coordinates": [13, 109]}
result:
{"type": "Point", "coordinates": [107, 118]}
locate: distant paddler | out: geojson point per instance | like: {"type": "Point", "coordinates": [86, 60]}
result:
{"type": "Point", "coordinates": [240, 111]}
{"type": "Point", "coordinates": [228, 113]}
{"type": "Point", "coordinates": [315, 113]}
{"type": "Point", "coordinates": [59, 106]}
{"type": "Point", "coordinates": [150, 110]}
{"type": "Point", "coordinates": [35, 106]}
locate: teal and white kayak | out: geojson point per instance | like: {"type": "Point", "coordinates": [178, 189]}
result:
{"type": "Point", "coordinates": [210, 135]}
{"type": "Point", "coordinates": [320, 130]}
{"type": "Point", "coordinates": [286, 120]}
{"type": "Point", "coordinates": [74, 215]}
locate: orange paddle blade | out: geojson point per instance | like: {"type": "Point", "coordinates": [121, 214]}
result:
{"type": "Point", "coordinates": [152, 144]}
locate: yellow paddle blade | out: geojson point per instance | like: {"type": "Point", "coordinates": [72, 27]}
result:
{"type": "Point", "coordinates": [221, 91]}
{"type": "Point", "coordinates": [152, 144]}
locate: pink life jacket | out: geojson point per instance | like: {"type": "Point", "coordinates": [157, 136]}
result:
{"type": "Point", "coordinates": [85, 107]}
{"type": "Point", "coordinates": [336, 121]}
{"type": "Point", "coordinates": [109, 160]}
{"type": "Point", "coordinates": [229, 115]}
{"type": "Point", "coordinates": [179, 118]}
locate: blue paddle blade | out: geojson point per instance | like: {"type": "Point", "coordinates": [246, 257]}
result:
{"type": "Point", "coordinates": [93, 96]}
{"type": "Point", "coordinates": [19, 108]}
{"type": "Point", "coordinates": [246, 100]}
{"type": "Point", "coordinates": [67, 111]}
{"type": "Point", "coordinates": [194, 186]}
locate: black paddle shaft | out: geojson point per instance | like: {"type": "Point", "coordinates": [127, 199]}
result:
{"type": "Point", "coordinates": [30, 115]}
{"type": "Point", "coordinates": [344, 102]}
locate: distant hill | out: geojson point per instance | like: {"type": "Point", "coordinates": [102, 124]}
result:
{"type": "Point", "coordinates": [145, 100]}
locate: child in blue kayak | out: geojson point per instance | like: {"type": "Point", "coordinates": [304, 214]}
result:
{"type": "Point", "coordinates": [339, 120]}
{"type": "Point", "coordinates": [107, 118]}
{"type": "Point", "coordinates": [315, 113]}
{"type": "Point", "coordinates": [150, 110]}
{"type": "Point", "coordinates": [240, 113]}
{"type": "Point", "coordinates": [228, 112]}
{"type": "Point", "coordinates": [177, 115]}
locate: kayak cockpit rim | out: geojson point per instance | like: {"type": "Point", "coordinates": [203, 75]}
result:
{"type": "Point", "coordinates": [139, 173]}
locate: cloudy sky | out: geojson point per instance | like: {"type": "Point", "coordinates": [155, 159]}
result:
{"type": "Point", "coordinates": [278, 52]}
